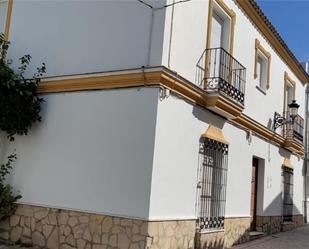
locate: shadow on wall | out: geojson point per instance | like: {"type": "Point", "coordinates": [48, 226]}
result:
{"type": "Point", "coordinates": [236, 231]}
{"type": "Point", "coordinates": [271, 221]}
{"type": "Point", "coordinates": [208, 117]}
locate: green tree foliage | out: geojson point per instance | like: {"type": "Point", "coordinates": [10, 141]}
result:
{"type": "Point", "coordinates": [20, 107]}
{"type": "Point", "coordinates": [20, 104]}
{"type": "Point", "coordinates": [7, 198]}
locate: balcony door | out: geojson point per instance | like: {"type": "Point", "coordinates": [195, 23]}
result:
{"type": "Point", "coordinates": [218, 62]}
{"type": "Point", "coordinates": [289, 96]}
{"type": "Point", "coordinates": [217, 31]}
{"type": "Point", "coordinates": [216, 43]}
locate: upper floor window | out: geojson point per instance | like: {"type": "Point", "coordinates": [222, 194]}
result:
{"type": "Point", "coordinates": [289, 91]}
{"type": "Point", "coordinates": [262, 72]}
{"type": "Point", "coordinates": [262, 66]}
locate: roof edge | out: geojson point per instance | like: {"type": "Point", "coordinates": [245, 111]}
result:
{"type": "Point", "coordinates": [255, 13]}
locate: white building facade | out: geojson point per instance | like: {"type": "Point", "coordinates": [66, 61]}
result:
{"type": "Point", "coordinates": [158, 127]}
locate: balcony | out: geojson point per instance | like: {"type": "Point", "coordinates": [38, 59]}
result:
{"type": "Point", "coordinates": [224, 80]}
{"type": "Point", "coordinates": [294, 134]}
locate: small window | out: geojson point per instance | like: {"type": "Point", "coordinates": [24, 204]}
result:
{"type": "Point", "coordinates": [213, 184]}
{"type": "Point", "coordinates": [262, 72]}
{"type": "Point", "coordinates": [262, 67]}
{"type": "Point", "coordinates": [289, 95]}
{"type": "Point", "coordinates": [287, 175]}
{"type": "Point", "coordinates": [289, 92]}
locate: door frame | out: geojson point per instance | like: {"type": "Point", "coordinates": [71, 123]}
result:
{"type": "Point", "coordinates": [255, 163]}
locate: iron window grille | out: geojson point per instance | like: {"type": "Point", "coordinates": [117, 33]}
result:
{"type": "Point", "coordinates": [213, 184]}
{"type": "Point", "coordinates": [287, 174]}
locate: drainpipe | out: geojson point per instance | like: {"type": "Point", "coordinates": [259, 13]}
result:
{"type": "Point", "coordinates": [306, 152]}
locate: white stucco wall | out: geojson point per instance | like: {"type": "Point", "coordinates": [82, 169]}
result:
{"type": "Point", "coordinates": [103, 142]}
{"type": "Point", "coordinates": [188, 41]}
{"type": "Point", "coordinates": [174, 178]}
{"type": "Point", "coordinates": [93, 152]}
{"type": "Point", "coordinates": [74, 37]}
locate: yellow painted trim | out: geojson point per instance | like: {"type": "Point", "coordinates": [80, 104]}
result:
{"type": "Point", "coordinates": [165, 78]}
{"type": "Point", "coordinates": [261, 49]}
{"type": "Point", "coordinates": [215, 133]}
{"type": "Point", "coordinates": [125, 80]}
{"type": "Point", "coordinates": [225, 105]}
{"type": "Point", "coordinates": [294, 147]}
{"type": "Point", "coordinates": [259, 129]}
{"type": "Point", "coordinates": [232, 16]}
{"type": "Point", "coordinates": [208, 38]}
{"type": "Point", "coordinates": [8, 20]}
{"type": "Point", "coordinates": [273, 40]}
{"type": "Point", "coordinates": [287, 163]}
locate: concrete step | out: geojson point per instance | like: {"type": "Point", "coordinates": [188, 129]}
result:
{"type": "Point", "coordinates": [256, 235]}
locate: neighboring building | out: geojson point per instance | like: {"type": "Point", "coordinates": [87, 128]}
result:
{"type": "Point", "coordinates": [158, 125]}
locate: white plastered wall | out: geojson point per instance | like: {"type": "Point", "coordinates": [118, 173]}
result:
{"type": "Point", "coordinates": [188, 41]}
{"type": "Point", "coordinates": [75, 37]}
{"type": "Point", "coordinates": [93, 151]}
{"type": "Point", "coordinates": [174, 178]}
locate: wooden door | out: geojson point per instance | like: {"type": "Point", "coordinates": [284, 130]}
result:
{"type": "Point", "coordinates": [254, 180]}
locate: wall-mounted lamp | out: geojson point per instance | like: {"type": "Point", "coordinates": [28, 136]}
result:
{"type": "Point", "coordinates": [279, 120]}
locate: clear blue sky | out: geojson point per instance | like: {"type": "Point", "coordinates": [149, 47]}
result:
{"type": "Point", "coordinates": [291, 19]}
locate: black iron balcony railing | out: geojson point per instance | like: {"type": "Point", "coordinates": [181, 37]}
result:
{"type": "Point", "coordinates": [222, 74]}
{"type": "Point", "coordinates": [295, 130]}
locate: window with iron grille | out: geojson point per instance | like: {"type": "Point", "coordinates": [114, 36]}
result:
{"type": "Point", "coordinates": [287, 174]}
{"type": "Point", "coordinates": [212, 184]}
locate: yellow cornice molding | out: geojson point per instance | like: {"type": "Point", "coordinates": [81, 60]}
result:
{"type": "Point", "coordinates": [96, 82]}
{"type": "Point", "coordinates": [162, 77]}
{"type": "Point", "coordinates": [272, 39]}
{"type": "Point", "coordinates": [261, 130]}
{"type": "Point", "coordinates": [158, 77]}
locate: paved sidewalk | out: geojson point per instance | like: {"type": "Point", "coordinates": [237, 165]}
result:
{"type": "Point", "coordinates": [295, 239]}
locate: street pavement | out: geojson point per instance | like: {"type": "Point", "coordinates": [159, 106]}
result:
{"type": "Point", "coordinates": [295, 239]}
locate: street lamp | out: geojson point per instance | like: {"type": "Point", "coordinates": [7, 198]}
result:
{"type": "Point", "coordinates": [280, 120]}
